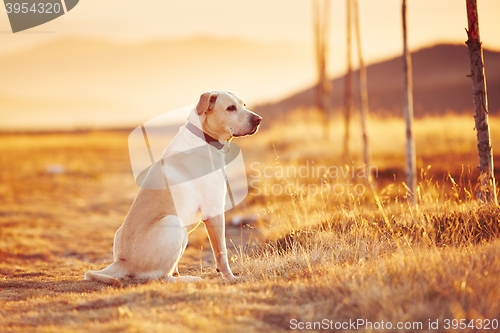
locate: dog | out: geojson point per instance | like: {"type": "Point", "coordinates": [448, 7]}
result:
{"type": "Point", "coordinates": [154, 234]}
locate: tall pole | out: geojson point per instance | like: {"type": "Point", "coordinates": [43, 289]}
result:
{"type": "Point", "coordinates": [321, 15]}
{"type": "Point", "coordinates": [411, 169]}
{"type": "Point", "coordinates": [348, 82]}
{"type": "Point", "coordinates": [363, 89]}
{"type": "Point", "coordinates": [487, 190]}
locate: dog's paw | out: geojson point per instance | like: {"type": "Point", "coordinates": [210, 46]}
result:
{"type": "Point", "coordinates": [193, 279]}
{"type": "Point", "coordinates": [183, 279]}
{"type": "Point", "coordinates": [231, 279]}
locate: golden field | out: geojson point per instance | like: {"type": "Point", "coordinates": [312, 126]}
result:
{"type": "Point", "coordinates": [315, 254]}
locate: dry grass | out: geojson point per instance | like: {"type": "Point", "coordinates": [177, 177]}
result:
{"type": "Point", "coordinates": [322, 255]}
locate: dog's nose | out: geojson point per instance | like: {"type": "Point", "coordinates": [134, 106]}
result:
{"type": "Point", "coordinates": [256, 119]}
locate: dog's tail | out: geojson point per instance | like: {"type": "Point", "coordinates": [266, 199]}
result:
{"type": "Point", "coordinates": [109, 275]}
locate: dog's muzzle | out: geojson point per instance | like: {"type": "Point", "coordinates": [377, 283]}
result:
{"type": "Point", "coordinates": [255, 121]}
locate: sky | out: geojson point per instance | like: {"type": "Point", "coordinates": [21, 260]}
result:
{"type": "Point", "coordinates": [267, 21]}
{"type": "Point", "coordinates": [430, 22]}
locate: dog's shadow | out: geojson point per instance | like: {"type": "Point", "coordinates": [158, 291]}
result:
{"type": "Point", "coordinates": [17, 289]}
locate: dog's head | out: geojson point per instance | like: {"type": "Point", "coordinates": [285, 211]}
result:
{"type": "Point", "coordinates": [223, 115]}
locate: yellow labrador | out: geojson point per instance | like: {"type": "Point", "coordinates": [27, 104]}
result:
{"type": "Point", "coordinates": [154, 235]}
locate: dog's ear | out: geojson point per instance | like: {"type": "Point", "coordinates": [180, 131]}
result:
{"type": "Point", "coordinates": [206, 103]}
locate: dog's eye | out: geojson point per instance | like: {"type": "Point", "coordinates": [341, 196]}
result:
{"type": "Point", "coordinates": [231, 108]}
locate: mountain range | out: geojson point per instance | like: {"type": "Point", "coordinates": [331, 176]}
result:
{"type": "Point", "coordinates": [440, 85]}
{"type": "Point", "coordinates": [90, 83]}
{"type": "Point", "coordinates": [77, 82]}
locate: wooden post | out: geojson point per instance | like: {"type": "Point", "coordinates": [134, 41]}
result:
{"type": "Point", "coordinates": [347, 83]}
{"type": "Point", "coordinates": [411, 169]}
{"type": "Point", "coordinates": [321, 15]}
{"type": "Point", "coordinates": [363, 89]}
{"type": "Point", "coordinates": [487, 189]}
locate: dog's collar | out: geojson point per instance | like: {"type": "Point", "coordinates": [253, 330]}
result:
{"type": "Point", "coordinates": [204, 136]}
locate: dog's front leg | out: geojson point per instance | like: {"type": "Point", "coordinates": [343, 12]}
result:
{"type": "Point", "coordinates": [216, 233]}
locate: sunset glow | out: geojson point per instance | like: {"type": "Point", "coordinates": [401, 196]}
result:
{"type": "Point", "coordinates": [267, 46]}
